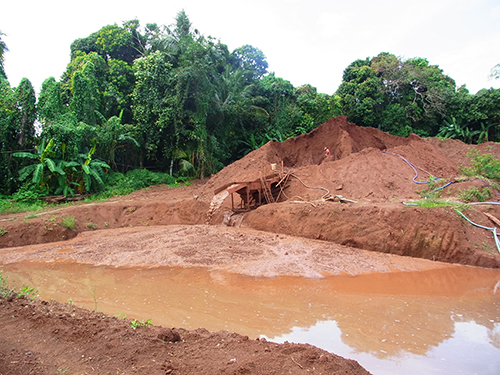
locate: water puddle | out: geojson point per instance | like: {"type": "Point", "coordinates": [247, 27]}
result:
{"type": "Point", "coordinates": [438, 321]}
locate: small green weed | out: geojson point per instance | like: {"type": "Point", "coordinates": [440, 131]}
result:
{"type": "Point", "coordinates": [485, 165]}
{"type": "Point", "coordinates": [92, 294]}
{"type": "Point", "coordinates": [432, 203]}
{"type": "Point", "coordinates": [3, 231]}
{"type": "Point", "coordinates": [27, 292]}
{"type": "Point", "coordinates": [140, 323]}
{"type": "Point", "coordinates": [31, 216]}
{"type": "Point", "coordinates": [68, 222]}
{"type": "Point", "coordinates": [5, 289]}
{"type": "Point", "coordinates": [52, 219]}
{"type": "Point", "coordinates": [474, 193]}
{"type": "Point", "coordinates": [70, 301]}
{"type": "Point", "coordinates": [430, 191]}
{"type": "Point", "coordinates": [91, 225]}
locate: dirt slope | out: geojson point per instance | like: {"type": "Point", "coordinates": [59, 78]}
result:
{"type": "Point", "coordinates": [50, 338]}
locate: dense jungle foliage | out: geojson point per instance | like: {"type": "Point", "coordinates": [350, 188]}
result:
{"type": "Point", "coordinates": [169, 100]}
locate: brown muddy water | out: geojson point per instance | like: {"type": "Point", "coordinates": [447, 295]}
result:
{"type": "Point", "coordinates": [444, 321]}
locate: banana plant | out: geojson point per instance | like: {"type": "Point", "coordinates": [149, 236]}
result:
{"type": "Point", "coordinates": [91, 168]}
{"type": "Point", "coordinates": [44, 162]}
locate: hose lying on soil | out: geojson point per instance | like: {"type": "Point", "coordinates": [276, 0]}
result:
{"type": "Point", "coordinates": [413, 166]}
{"type": "Point", "coordinates": [494, 229]}
{"type": "Point", "coordinates": [312, 187]}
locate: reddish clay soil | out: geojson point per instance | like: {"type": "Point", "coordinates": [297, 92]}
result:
{"type": "Point", "coordinates": [182, 226]}
{"type": "Point", "coordinates": [50, 338]}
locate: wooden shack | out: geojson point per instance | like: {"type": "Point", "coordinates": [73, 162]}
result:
{"type": "Point", "coordinates": [253, 193]}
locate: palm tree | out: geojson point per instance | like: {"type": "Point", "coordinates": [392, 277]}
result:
{"type": "Point", "coordinates": [3, 49]}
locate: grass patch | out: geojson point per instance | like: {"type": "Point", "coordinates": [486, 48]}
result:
{"type": "Point", "coordinates": [474, 194]}
{"type": "Point", "coordinates": [6, 291]}
{"type": "Point", "coordinates": [91, 225]}
{"type": "Point", "coordinates": [140, 323]}
{"type": "Point", "coordinates": [432, 203]}
{"type": "Point", "coordinates": [9, 206]}
{"type": "Point", "coordinates": [485, 165]}
{"type": "Point", "coordinates": [120, 184]}
{"type": "Point", "coordinates": [68, 222]}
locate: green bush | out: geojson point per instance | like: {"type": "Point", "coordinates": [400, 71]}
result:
{"type": "Point", "coordinates": [122, 184]}
{"type": "Point", "coordinates": [142, 178]}
{"type": "Point", "coordinates": [474, 193]}
{"type": "Point", "coordinates": [68, 222]}
{"type": "Point", "coordinates": [485, 165]}
{"type": "Point", "coordinates": [29, 192]}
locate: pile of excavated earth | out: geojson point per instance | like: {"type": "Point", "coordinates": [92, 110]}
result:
{"type": "Point", "coordinates": [355, 210]}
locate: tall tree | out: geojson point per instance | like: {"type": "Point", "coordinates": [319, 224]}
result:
{"type": "Point", "coordinates": [50, 105]}
{"type": "Point", "coordinates": [395, 95]}
{"type": "Point", "coordinates": [316, 108]}
{"type": "Point", "coordinates": [17, 130]}
{"type": "Point", "coordinates": [361, 95]}
{"type": "Point", "coordinates": [251, 61]}
{"type": "Point", "coordinates": [495, 72]}
{"type": "Point", "coordinates": [83, 84]}
{"type": "Point", "coordinates": [153, 75]}
{"type": "Point", "coordinates": [3, 49]}
{"type": "Point", "coordinates": [111, 42]}
{"type": "Point", "coordinates": [26, 113]}
{"type": "Point", "coordinates": [8, 126]}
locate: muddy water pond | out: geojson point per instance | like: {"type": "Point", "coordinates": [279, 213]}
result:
{"type": "Point", "coordinates": [442, 321]}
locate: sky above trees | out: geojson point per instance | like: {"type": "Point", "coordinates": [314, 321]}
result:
{"type": "Point", "coordinates": [304, 42]}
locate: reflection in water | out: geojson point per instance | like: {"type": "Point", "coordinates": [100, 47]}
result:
{"type": "Point", "coordinates": [444, 320]}
{"type": "Point", "coordinates": [467, 351]}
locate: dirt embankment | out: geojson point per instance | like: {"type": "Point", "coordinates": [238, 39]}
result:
{"type": "Point", "coordinates": [50, 338]}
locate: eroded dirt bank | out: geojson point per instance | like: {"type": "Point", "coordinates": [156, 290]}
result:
{"type": "Point", "coordinates": [48, 337]}
{"type": "Point", "coordinates": [438, 234]}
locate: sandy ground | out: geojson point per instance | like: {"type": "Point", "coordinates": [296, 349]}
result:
{"type": "Point", "coordinates": [239, 250]}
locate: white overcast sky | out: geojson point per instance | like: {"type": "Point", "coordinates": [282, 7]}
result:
{"type": "Point", "coordinates": [309, 41]}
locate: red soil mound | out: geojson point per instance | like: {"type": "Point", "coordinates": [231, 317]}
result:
{"type": "Point", "coordinates": [357, 162]}
{"type": "Point", "coordinates": [370, 167]}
